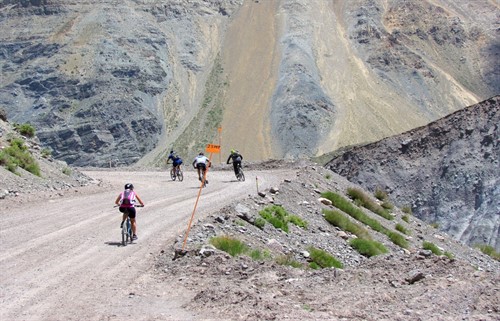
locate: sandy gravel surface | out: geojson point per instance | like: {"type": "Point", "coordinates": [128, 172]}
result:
{"type": "Point", "coordinates": [62, 258]}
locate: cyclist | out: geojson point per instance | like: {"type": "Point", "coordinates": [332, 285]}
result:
{"type": "Point", "coordinates": [201, 162]}
{"type": "Point", "coordinates": [126, 201]}
{"type": "Point", "coordinates": [237, 158]}
{"type": "Point", "coordinates": [176, 161]}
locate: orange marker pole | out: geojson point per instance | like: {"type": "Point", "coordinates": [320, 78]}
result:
{"type": "Point", "coordinates": [220, 140]}
{"type": "Point", "coordinates": [210, 149]}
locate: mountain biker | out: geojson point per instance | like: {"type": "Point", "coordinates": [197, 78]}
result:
{"type": "Point", "coordinates": [237, 158]}
{"type": "Point", "coordinates": [126, 201]}
{"type": "Point", "coordinates": [176, 161]}
{"type": "Point", "coordinates": [200, 163]}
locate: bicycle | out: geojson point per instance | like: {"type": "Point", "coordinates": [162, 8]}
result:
{"type": "Point", "coordinates": [127, 234]}
{"type": "Point", "coordinates": [239, 173]}
{"type": "Point", "coordinates": [176, 173]}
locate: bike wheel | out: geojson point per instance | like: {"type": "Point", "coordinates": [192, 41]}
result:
{"type": "Point", "coordinates": [241, 176]}
{"type": "Point", "coordinates": [172, 174]}
{"type": "Point", "coordinates": [124, 236]}
{"type": "Point", "coordinates": [180, 175]}
{"type": "Point", "coordinates": [129, 231]}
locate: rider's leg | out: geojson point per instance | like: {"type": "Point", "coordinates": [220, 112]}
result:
{"type": "Point", "coordinates": [132, 214]}
{"type": "Point", "coordinates": [235, 167]}
{"type": "Point", "coordinates": [134, 226]}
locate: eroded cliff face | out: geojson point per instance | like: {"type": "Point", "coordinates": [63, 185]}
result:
{"type": "Point", "coordinates": [104, 81]}
{"type": "Point", "coordinates": [447, 172]}
{"type": "Point", "coordinates": [116, 82]}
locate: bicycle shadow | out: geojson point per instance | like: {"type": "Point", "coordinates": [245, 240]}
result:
{"type": "Point", "coordinates": [117, 244]}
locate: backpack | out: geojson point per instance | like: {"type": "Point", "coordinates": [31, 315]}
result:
{"type": "Point", "coordinates": [128, 197]}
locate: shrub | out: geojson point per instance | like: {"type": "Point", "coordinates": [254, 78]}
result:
{"type": "Point", "coordinates": [402, 229]}
{"type": "Point", "coordinates": [25, 129]}
{"type": "Point", "coordinates": [368, 248]}
{"type": "Point", "coordinates": [346, 206]}
{"type": "Point", "coordinates": [380, 194]}
{"type": "Point", "coordinates": [17, 154]}
{"type": "Point", "coordinates": [432, 247]}
{"type": "Point", "coordinates": [259, 222]}
{"type": "Point", "coordinates": [366, 202]}
{"type": "Point", "coordinates": [259, 255]}
{"type": "Point", "coordinates": [435, 225]}
{"type": "Point", "coordinates": [449, 255]}
{"type": "Point", "coordinates": [488, 250]}
{"type": "Point", "coordinates": [406, 218]}
{"type": "Point", "coordinates": [338, 219]}
{"type": "Point", "coordinates": [279, 217]}
{"type": "Point", "coordinates": [407, 210]}
{"type": "Point", "coordinates": [387, 205]}
{"type": "Point", "coordinates": [288, 260]}
{"type": "Point", "coordinates": [323, 259]}
{"type": "Point", "coordinates": [46, 153]}
{"type": "Point", "coordinates": [398, 239]}
{"type": "Point", "coordinates": [66, 171]}
{"type": "Point", "coordinates": [229, 245]}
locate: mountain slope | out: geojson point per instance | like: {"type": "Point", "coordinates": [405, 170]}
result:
{"type": "Point", "coordinates": [446, 171]}
{"type": "Point", "coordinates": [106, 82]}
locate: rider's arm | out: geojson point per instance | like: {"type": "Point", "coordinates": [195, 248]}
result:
{"type": "Point", "coordinates": [227, 162]}
{"type": "Point", "coordinates": [117, 201]}
{"type": "Point", "coordinates": [139, 199]}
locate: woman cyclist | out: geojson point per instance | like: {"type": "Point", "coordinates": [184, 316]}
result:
{"type": "Point", "coordinates": [126, 201]}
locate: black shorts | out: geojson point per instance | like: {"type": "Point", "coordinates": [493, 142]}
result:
{"type": "Point", "coordinates": [202, 166]}
{"type": "Point", "coordinates": [131, 211]}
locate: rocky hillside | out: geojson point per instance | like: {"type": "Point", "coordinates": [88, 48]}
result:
{"type": "Point", "coordinates": [55, 178]}
{"type": "Point", "coordinates": [447, 172]}
{"type": "Point", "coordinates": [273, 279]}
{"type": "Point", "coordinates": [118, 82]}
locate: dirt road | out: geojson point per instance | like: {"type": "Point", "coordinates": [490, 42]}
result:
{"type": "Point", "coordinates": [62, 259]}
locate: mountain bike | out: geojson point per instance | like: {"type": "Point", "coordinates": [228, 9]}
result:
{"type": "Point", "coordinates": [127, 234]}
{"type": "Point", "coordinates": [239, 173]}
{"type": "Point", "coordinates": [176, 173]}
{"type": "Point", "coordinates": [127, 231]}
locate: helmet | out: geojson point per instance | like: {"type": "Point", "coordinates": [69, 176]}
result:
{"type": "Point", "coordinates": [233, 151]}
{"type": "Point", "coordinates": [172, 151]}
{"type": "Point", "coordinates": [129, 186]}
{"type": "Point", "coordinates": [201, 154]}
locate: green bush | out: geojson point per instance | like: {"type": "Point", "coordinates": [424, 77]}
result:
{"type": "Point", "coordinates": [46, 153]}
{"type": "Point", "coordinates": [402, 229]}
{"type": "Point", "coordinates": [406, 218]}
{"type": "Point", "coordinates": [432, 247]}
{"type": "Point", "coordinates": [398, 239]}
{"type": "Point", "coordinates": [346, 206]}
{"type": "Point", "coordinates": [338, 219]}
{"type": "Point", "coordinates": [357, 194]}
{"type": "Point", "coordinates": [324, 259]}
{"type": "Point", "coordinates": [407, 210]}
{"type": "Point", "coordinates": [380, 194]}
{"type": "Point", "coordinates": [259, 222]}
{"type": "Point", "coordinates": [66, 171]}
{"type": "Point", "coordinates": [368, 248]}
{"type": "Point", "coordinates": [229, 245]}
{"type": "Point", "coordinates": [17, 154]}
{"type": "Point", "coordinates": [25, 129]}
{"type": "Point", "coordinates": [258, 255]}
{"type": "Point", "coordinates": [288, 260]}
{"type": "Point", "coordinates": [279, 217]}
{"type": "Point", "coordinates": [488, 250]}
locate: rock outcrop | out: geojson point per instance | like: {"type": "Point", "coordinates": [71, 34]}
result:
{"type": "Point", "coordinates": [446, 171]}
{"type": "Point", "coordinates": [108, 82]}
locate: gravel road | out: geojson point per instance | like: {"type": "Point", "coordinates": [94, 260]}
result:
{"type": "Point", "coordinates": [62, 258]}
